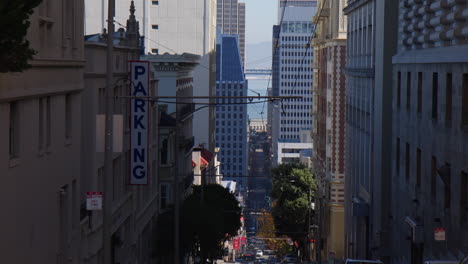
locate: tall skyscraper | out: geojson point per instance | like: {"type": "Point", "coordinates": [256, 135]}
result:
{"type": "Point", "coordinates": [231, 20]}
{"type": "Point", "coordinates": [292, 76]}
{"type": "Point", "coordinates": [231, 118]}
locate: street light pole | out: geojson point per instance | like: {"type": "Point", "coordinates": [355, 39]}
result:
{"type": "Point", "coordinates": [176, 192]}
{"type": "Point", "coordinates": [107, 180]}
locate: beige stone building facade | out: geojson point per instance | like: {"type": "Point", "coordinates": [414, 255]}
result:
{"type": "Point", "coordinates": [50, 117]}
{"type": "Point", "coordinates": [40, 139]}
{"type": "Point", "coordinates": [328, 134]}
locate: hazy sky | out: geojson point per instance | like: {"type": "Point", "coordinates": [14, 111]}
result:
{"type": "Point", "coordinates": [261, 15]}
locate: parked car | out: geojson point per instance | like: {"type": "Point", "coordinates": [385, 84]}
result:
{"type": "Point", "coordinates": [441, 262]}
{"type": "Point", "coordinates": [290, 258]}
{"type": "Point", "coordinates": [259, 253]}
{"type": "Point", "coordinates": [249, 259]}
{"type": "Point", "coordinates": [362, 261]}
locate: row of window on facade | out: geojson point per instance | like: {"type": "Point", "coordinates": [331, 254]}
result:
{"type": "Point", "coordinates": [228, 115]}
{"type": "Point", "coordinates": [228, 130]}
{"type": "Point", "coordinates": [306, 66]}
{"type": "Point", "coordinates": [229, 122]}
{"type": "Point", "coordinates": [298, 77]}
{"type": "Point", "coordinates": [435, 95]}
{"type": "Point", "coordinates": [229, 108]}
{"type": "Point", "coordinates": [300, 3]}
{"type": "Point", "coordinates": [296, 122]}
{"type": "Point", "coordinates": [296, 137]}
{"type": "Point", "coordinates": [295, 27]}
{"type": "Point", "coordinates": [237, 138]}
{"type": "Point", "coordinates": [298, 69]}
{"type": "Point", "coordinates": [228, 93]}
{"type": "Point", "coordinates": [230, 86]}
{"type": "Point", "coordinates": [45, 107]}
{"type": "Point", "coordinates": [291, 129]}
{"type": "Point", "coordinates": [442, 171]}
{"type": "Point", "coordinates": [298, 54]}
{"type": "Point", "coordinates": [296, 107]}
{"type": "Point", "coordinates": [294, 114]}
{"type": "Point", "coordinates": [296, 91]}
{"type": "Point", "coordinates": [233, 170]}
{"type": "Point", "coordinates": [231, 101]}
{"type": "Point", "coordinates": [233, 160]}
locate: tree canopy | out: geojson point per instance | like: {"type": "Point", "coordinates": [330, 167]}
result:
{"type": "Point", "coordinates": [14, 22]}
{"type": "Point", "coordinates": [293, 190]}
{"type": "Point", "coordinates": [267, 231]}
{"type": "Point", "coordinates": [209, 219]}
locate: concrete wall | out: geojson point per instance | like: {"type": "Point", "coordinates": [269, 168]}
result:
{"type": "Point", "coordinates": [429, 142]}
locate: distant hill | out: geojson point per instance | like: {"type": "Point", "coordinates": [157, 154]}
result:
{"type": "Point", "coordinates": [258, 55]}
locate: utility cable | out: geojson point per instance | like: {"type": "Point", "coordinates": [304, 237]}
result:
{"type": "Point", "coordinates": [275, 47]}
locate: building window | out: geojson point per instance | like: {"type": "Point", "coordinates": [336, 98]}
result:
{"type": "Point", "coordinates": [165, 195]}
{"type": "Point", "coordinates": [155, 2]}
{"type": "Point", "coordinates": [433, 178]}
{"type": "Point", "coordinates": [446, 176]}
{"type": "Point", "coordinates": [448, 99]}
{"type": "Point", "coordinates": [48, 122]}
{"type": "Point", "coordinates": [397, 158]}
{"type": "Point", "coordinates": [155, 26]}
{"type": "Point", "coordinates": [418, 168]}
{"type": "Point", "coordinates": [465, 100]}
{"type": "Point", "coordinates": [408, 91]}
{"type": "Point", "coordinates": [155, 51]}
{"type": "Point", "coordinates": [463, 199]}
{"type": "Point", "coordinates": [407, 162]}
{"type": "Point", "coordinates": [14, 131]}
{"type": "Point", "coordinates": [420, 82]}
{"type": "Point", "coordinates": [68, 116]}
{"type": "Point", "coordinates": [40, 140]}
{"type": "Point", "coordinates": [398, 89]}
{"type": "Point", "coordinates": [435, 89]}
{"type": "Point", "coordinates": [165, 151]}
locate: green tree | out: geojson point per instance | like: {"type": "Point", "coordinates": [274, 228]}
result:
{"type": "Point", "coordinates": [14, 48]}
{"type": "Point", "coordinates": [293, 189]}
{"type": "Point", "coordinates": [267, 231]}
{"type": "Point", "coordinates": [209, 219]}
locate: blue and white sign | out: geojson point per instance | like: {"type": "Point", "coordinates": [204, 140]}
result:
{"type": "Point", "coordinates": [139, 123]}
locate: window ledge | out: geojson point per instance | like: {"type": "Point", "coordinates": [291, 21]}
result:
{"type": "Point", "coordinates": [41, 152]}
{"type": "Point", "coordinates": [46, 20]}
{"type": "Point", "coordinates": [13, 162]}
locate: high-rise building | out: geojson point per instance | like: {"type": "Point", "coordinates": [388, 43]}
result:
{"type": "Point", "coordinates": [430, 136]}
{"type": "Point", "coordinates": [371, 42]}
{"type": "Point", "coordinates": [175, 26]}
{"type": "Point", "coordinates": [231, 20]}
{"type": "Point", "coordinates": [231, 114]}
{"type": "Point", "coordinates": [329, 122]}
{"type": "Point", "coordinates": [292, 76]}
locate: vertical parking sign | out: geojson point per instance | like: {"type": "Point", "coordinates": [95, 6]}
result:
{"type": "Point", "coordinates": [139, 87]}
